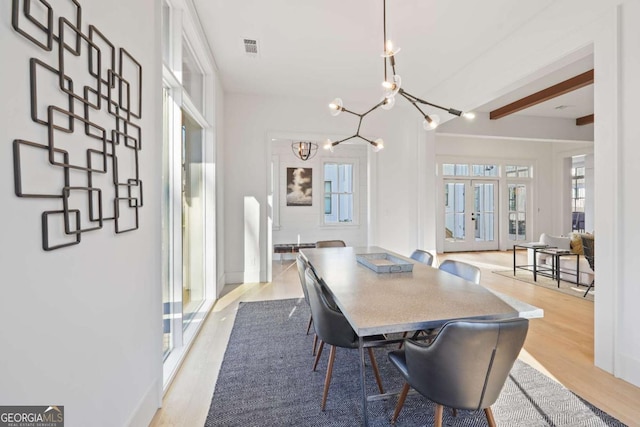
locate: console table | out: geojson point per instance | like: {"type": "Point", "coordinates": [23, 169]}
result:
{"type": "Point", "coordinates": [291, 248]}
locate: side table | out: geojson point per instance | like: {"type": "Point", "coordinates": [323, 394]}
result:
{"type": "Point", "coordinates": [535, 247]}
{"type": "Point", "coordinates": [555, 265]}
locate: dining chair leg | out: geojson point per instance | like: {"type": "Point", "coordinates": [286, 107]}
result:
{"type": "Point", "coordinates": [309, 324]}
{"type": "Point", "coordinates": [320, 347]}
{"type": "Point", "coordinates": [376, 372]}
{"type": "Point", "coordinates": [404, 335]}
{"type": "Point", "coordinates": [437, 421]}
{"type": "Point", "coordinates": [489, 414]}
{"type": "Point", "coordinates": [315, 343]}
{"type": "Point", "coordinates": [400, 404]}
{"type": "Point", "coordinates": [327, 378]}
{"type": "Point", "coordinates": [588, 289]}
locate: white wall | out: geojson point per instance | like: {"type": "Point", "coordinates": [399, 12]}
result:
{"type": "Point", "coordinates": [627, 360]}
{"type": "Point", "coordinates": [307, 221]}
{"type": "Point", "coordinates": [250, 123]}
{"type": "Point", "coordinates": [82, 325]}
{"type": "Point", "coordinates": [615, 161]}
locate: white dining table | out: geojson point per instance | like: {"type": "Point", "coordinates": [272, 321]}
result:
{"type": "Point", "coordinates": [384, 303]}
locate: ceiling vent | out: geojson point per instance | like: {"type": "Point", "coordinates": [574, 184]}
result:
{"type": "Point", "coordinates": [250, 46]}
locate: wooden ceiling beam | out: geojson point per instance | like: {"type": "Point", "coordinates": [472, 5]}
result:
{"type": "Point", "coordinates": [585, 120]}
{"type": "Point", "coordinates": [561, 88]}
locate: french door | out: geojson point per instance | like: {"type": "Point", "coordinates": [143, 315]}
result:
{"type": "Point", "coordinates": [470, 215]}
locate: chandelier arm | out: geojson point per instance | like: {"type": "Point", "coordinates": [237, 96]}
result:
{"type": "Point", "coordinates": [349, 111]}
{"type": "Point", "coordinates": [368, 140]}
{"type": "Point", "coordinates": [359, 124]}
{"type": "Point", "coordinates": [422, 101]}
{"type": "Point", "coordinates": [346, 139]}
{"type": "Point", "coordinates": [413, 102]}
{"type": "Point", "coordinates": [379, 104]}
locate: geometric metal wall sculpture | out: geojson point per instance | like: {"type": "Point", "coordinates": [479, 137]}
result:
{"type": "Point", "coordinates": [89, 164]}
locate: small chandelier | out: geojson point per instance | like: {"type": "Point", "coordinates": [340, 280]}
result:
{"type": "Point", "coordinates": [391, 87]}
{"type": "Point", "coordinates": [304, 150]}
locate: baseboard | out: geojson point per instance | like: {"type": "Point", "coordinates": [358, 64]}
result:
{"type": "Point", "coordinates": [148, 406]}
{"type": "Point", "coordinates": [234, 277]}
{"type": "Point", "coordinates": [628, 369]}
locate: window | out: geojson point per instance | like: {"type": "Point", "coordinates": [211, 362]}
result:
{"type": "Point", "coordinates": [512, 171]}
{"type": "Point", "coordinates": [338, 193]}
{"type": "Point", "coordinates": [166, 33]}
{"type": "Point", "coordinates": [193, 219]}
{"type": "Point", "coordinates": [517, 212]}
{"type": "Point", "coordinates": [192, 76]}
{"type": "Point", "coordinates": [577, 189]}
{"type": "Point", "coordinates": [327, 198]}
{"type": "Point", "coordinates": [577, 197]}
{"type": "Point", "coordinates": [188, 288]}
{"type": "Point", "coordinates": [484, 170]}
{"type": "Point", "coordinates": [450, 169]}
{"type": "Point", "coordinates": [455, 170]}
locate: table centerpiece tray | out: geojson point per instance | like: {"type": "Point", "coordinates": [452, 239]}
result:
{"type": "Point", "coordinates": [385, 263]}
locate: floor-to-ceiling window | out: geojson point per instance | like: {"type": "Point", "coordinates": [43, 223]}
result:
{"type": "Point", "coordinates": [188, 182]}
{"type": "Point", "coordinates": [193, 219]}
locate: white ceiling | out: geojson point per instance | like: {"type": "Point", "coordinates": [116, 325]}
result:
{"type": "Point", "coordinates": [330, 48]}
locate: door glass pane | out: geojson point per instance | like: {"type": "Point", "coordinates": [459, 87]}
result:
{"type": "Point", "coordinates": [484, 211]}
{"type": "Point", "coordinates": [192, 219]}
{"type": "Point", "coordinates": [517, 211]}
{"type": "Point", "coordinates": [454, 211]}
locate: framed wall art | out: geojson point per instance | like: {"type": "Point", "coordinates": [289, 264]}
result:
{"type": "Point", "coordinates": [299, 186]}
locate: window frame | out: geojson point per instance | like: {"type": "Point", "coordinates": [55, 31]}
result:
{"type": "Point", "coordinates": [355, 190]}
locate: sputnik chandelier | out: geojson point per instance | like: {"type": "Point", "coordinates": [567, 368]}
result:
{"type": "Point", "coordinates": [304, 150]}
{"type": "Point", "coordinates": [391, 87]}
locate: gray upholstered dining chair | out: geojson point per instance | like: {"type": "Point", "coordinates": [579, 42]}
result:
{"type": "Point", "coordinates": [588, 247]}
{"type": "Point", "coordinates": [330, 244]}
{"type": "Point", "coordinates": [422, 256]}
{"type": "Point", "coordinates": [332, 328]}
{"type": "Point", "coordinates": [302, 266]}
{"type": "Point", "coordinates": [465, 367]}
{"type": "Point", "coordinates": [461, 269]}
{"type": "Point", "coordinates": [468, 272]}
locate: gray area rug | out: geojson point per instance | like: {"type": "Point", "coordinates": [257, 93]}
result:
{"type": "Point", "coordinates": [266, 380]}
{"type": "Point", "coordinates": [566, 288]}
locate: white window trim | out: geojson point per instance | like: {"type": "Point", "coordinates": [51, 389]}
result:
{"type": "Point", "coordinates": [186, 28]}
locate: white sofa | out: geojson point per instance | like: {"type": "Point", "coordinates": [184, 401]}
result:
{"type": "Point", "coordinates": [567, 264]}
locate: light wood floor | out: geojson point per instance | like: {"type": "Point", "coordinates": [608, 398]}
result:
{"type": "Point", "coordinates": [560, 344]}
